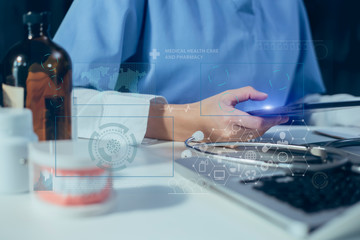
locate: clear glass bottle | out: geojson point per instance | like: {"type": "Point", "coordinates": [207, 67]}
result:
{"type": "Point", "coordinates": [37, 75]}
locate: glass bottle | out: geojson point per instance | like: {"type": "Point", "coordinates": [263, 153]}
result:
{"type": "Point", "coordinates": [37, 74]}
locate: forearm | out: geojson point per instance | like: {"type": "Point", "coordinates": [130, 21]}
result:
{"type": "Point", "coordinates": [171, 121]}
{"type": "Point", "coordinates": [96, 108]}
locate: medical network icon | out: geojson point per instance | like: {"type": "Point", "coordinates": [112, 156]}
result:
{"type": "Point", "coordinates": [282, 140]}
{"type": "Point", "coordinates": [154, 54]}
{"type": "Point", "coordinates": [251, 155]}
{"type": "Point", "coordinates": [283, 157]}
{"type": "Point", "coordinates": [219, 175]}
{"type": "Point", "coordinates": [250, 174]}
{"type": "Point", "coordinates": [233, 169]}
{"type": "Point", "coordinates": [202, 165]}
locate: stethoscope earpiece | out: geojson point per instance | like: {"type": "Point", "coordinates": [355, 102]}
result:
{"type": "Point", "coordinates": [198, 136]}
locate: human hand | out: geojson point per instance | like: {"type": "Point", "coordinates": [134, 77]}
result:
{"type": "Point", "coordinates": [231, 123]}
{"type": "Point", "coordinates": [226, 123]}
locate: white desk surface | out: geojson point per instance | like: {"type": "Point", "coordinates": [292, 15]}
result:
{"type": "Point", "coordinates": [145, 209]}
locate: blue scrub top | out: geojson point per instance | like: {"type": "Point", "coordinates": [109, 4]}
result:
{"type": "Point", "coordinates": [189, 50]}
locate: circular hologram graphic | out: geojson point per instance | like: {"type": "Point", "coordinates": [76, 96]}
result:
{"type": "Point", "coordinates": [218, 76]}
{"type": "Point", "coordinates": [55, 83]}
{"type": "Point", "coordinates": [112, 146]}
{"type": "Point", "coordinates": [56, 101]}
{"type": "Point", "coordinates": [221, 102]}
{"type": "Point", "coordinates": [49, 64]}
{"type": "Point", "coordinates": [280, 77]}
{"type": "Point", "coordinates": [320, 180]}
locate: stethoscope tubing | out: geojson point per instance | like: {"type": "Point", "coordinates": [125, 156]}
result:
{"type": "Point", "coordinates": [342, 157]}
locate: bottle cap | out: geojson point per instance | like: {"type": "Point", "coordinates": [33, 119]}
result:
{"type": "Point", "coordinates": [16, 123]}
{"type": "Point", "coordinates": [32, 18]}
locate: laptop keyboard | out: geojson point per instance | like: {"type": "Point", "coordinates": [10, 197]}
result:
{"type": "Point", "coordinates": [314, 192]}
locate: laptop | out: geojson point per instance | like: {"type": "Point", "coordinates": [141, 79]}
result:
{"type": "Point", "coordinates": [314, 205]}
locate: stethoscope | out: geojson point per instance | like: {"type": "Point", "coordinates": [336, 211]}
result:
{"type": "Point", "coordinates": [316, 156]}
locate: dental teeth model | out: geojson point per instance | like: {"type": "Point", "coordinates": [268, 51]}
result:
{"type": "Point", "coordinates": [73, 188]}
{"type": "Point", "coordinates": [63, 174]}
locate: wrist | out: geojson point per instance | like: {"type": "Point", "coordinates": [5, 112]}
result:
{"type": "Point", "coordinates": [186, 120]}
{"type": "Point", "coordinates": [172, 121]}
{"type": "Point", "coordinates": [157, 125]}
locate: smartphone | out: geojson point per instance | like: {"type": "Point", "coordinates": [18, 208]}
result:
{"type": "Point", "coordinates": [302, 108]}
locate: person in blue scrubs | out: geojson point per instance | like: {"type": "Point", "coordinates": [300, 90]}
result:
{"type": "Point", "coordinates": [198, 54]}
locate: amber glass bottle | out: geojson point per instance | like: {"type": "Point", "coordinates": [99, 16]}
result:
{"type": "Point", "coordinates": [37, 75]}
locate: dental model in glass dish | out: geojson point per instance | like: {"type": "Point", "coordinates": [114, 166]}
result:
{"type": "Point", "coordinates": [64, 177]}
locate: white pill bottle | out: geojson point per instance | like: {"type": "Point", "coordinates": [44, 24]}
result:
{"type": "Point", "coordinates": [16, 132]}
